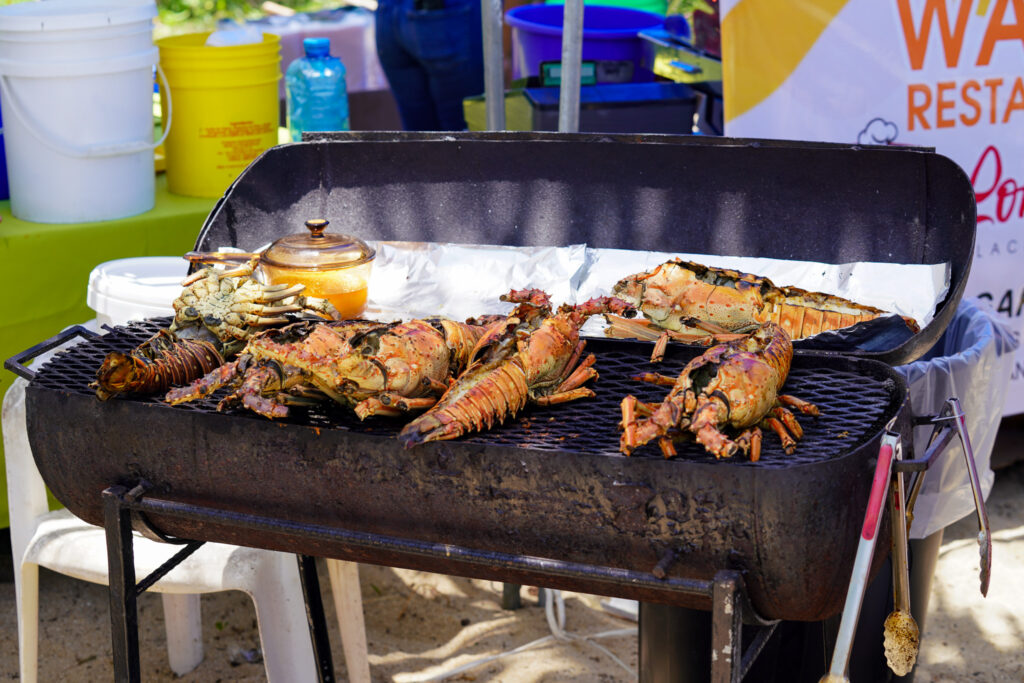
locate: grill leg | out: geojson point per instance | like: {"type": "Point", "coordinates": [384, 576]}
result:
{"type": "Point", "coordinates": [674, 644]}
{"type": "Point", "coordinates": [726, 629]}
{"type": "Point", "coordinates": [317, 620]}
{"type": "Point", "coordinates": [124, 622]}
{"type": "Point", "coordinates": [510, 598]}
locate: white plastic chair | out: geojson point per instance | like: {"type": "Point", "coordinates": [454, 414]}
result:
{"type": "Point", "coordinates": [66, 544]}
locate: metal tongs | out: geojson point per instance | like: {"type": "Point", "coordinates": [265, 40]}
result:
{"type": "Point", "coordinates": [901, 630]}
{"type": "Point", "coordinates": [889, 451]}
{"type": "Point", "coordinates": [942, 434]}
{"type": "Point", "coordinates": [901, 637]}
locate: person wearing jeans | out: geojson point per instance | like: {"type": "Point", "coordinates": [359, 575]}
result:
{"type": "Point", "coordinates": [432, 54]}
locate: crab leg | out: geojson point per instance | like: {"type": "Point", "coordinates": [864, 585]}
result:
{"type": "Point", "coordinates": [787, 419]}
{"type": "Point", "coordinates": [774, 424]}
{"type": "Point", "coordinates": [581, 375]}
{"type": "Point", "coordinates": [278, 292]}
{"type": "Point", "coordinates": [798, 404]}
{"type": "Point", "coordinates": [205, 385]}
{"type": "Point", "coordinates": [264, 310]}
{"type": "Point", "coordinates": [658, 352]}
{"type": "Point", "coordinates": [628, 424]}
{"type": "Point", "coordinates": [564, 396]}
{"type": "Point", "coordinates": [655, 378]}
{"type": "Point", "coordinates": [749, 441]}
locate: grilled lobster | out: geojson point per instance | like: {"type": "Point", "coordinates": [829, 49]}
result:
{"type": "Point", "coordinates": [161, 361]}
{"type": "Point", "coordinates": [216, 313]}
{"type": "Point", "coordinates": [687, 301]}
{"type": "Point", "coordinates": [735, 384]}
{"type": "Point", "coordinates": [533, 356]}
{"type": "Point", "coordinates": [375, 368]}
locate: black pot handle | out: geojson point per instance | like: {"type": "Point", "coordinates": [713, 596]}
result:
{"type": "Point", "coordinates": [16, 363]}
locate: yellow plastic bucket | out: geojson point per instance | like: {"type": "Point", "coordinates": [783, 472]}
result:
{"type": "Point", "coordinates": [226, 109]}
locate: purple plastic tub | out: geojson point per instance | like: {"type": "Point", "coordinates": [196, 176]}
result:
{"type": "Point", "coordinates": [609, 33]}
{"type": "Point", "coordinates": [5, 192]}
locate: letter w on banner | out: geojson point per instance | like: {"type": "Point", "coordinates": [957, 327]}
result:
{"type": "Point", "coordinates": [947, 74]}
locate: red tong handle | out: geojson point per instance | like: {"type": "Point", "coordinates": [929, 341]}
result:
{"type": "Point", "coordinates": [879, 488]}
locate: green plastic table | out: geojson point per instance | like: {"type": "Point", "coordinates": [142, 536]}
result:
{"type": "Point", "coordinates": [47, 268]}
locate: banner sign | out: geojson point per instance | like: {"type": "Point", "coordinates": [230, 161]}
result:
{"type": "Point", "coordinates": [947, 74]}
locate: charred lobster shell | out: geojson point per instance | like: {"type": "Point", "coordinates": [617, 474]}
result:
{"type": "Point", "coordinates": [534, 356]}
{"type": "Point", "coordinates": [733, 385]}
{"type": "Point", "coordinates": [680, 295]}
{"type": "Point", "coordinates": [161, 361]}
{"type": "Point", "coordinates": [375, 368]}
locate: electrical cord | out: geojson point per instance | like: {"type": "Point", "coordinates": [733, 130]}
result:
{"type": "Point", "coordinates": [556, 623]}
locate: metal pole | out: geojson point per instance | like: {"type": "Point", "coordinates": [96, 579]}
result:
{"type": "Point", "coordinates": [572, 54]}
{"type": "Point", "coordinates": [494, 66]}
{"type": "Point", "coordinates": [124, 616]}
{"type": "Point", "coordinates": [726, 629]}
{"type": "Point", "coordinates": [317, 620]}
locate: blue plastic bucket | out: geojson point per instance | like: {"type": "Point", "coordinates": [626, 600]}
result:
{"type": "Point", "coordinates": [609, 33]}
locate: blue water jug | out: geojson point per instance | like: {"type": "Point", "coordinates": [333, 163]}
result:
{"type": "Point", "coordinates": [317, 98]}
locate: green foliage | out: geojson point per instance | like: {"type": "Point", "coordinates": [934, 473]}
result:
{"type": "Point", "coordinates": [187, 16]}
{"type": "Point", "coordinates": [687, 7]}
{"type": "Point", "coordinates": [176, 12]}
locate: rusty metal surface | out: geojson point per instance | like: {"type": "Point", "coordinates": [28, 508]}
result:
{"type": "Point", "coordinates": [548, 484]}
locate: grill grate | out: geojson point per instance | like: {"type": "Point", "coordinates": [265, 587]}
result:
{"type": "Point", "coordinates": [853, 406]}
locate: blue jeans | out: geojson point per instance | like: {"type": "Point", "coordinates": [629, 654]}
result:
{"type": "Point", "coordinates": [433, 59]}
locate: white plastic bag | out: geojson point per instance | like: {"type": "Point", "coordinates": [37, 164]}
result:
{"type": "Point", "coordinates": [972, 361]}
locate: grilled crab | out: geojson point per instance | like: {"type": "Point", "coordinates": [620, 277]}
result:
{"type": "Point", "coordinates": [735, 385]}
{"type": "Point", "coordinates": [375, 368]}
{"type": "Point", "coordinates": [226, 307]}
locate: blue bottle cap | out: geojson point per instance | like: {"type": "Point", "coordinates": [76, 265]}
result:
{"type": "Point", "coordinates": [317, 47]}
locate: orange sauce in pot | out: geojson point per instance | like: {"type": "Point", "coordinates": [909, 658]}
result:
{"type": "Point", "coordinates": [345, 288]}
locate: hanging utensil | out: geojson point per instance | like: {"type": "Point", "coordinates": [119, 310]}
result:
{"type": "Point", "coordinates": [984, 533]}
{"type": "Point", "coordinates": [217, 257]}
{"type": "Point", "coordinates": [941, 435]}
{"type": "Point", "coordinates": [902, 637]}
{"type": "Point", "coordinates": [862, 563]}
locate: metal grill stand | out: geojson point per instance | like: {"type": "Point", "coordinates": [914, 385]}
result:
{"type": "Point", "coordinates": [125, 509]}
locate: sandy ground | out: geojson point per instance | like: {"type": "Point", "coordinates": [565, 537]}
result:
{"type": "Point", "coordinates": [427, 623]}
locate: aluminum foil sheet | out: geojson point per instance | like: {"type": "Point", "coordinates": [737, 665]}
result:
{"type": "Point", "coordinates": [416, 279]}
{"type": "Point", "coordinates": [459, 281]}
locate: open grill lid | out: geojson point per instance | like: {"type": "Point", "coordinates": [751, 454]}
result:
{"type": "Point", "coordinates": [737, 197]}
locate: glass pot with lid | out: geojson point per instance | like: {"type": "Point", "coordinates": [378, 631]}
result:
{"type": "Point", "coordinates": [332, 266]}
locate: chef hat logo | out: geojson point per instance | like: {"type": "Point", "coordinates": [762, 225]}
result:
{"type": "Point", "coordinates": [878, 132]}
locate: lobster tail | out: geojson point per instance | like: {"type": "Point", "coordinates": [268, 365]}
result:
{"type": "Point", "coordinates": [484, 394]}
{"type": "Point", "coordinates": [160, 362]}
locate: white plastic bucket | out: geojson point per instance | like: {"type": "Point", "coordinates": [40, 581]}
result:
{"type": "Point", "coordinates": [135, 288]}
{"type": "Point", "coordinates": [76, 87]}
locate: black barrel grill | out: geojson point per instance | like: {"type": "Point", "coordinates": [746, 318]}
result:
{"type": "Point", "coordinates": [550, 484]}
{"type": "Point", "coordinates": [546, 499]}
